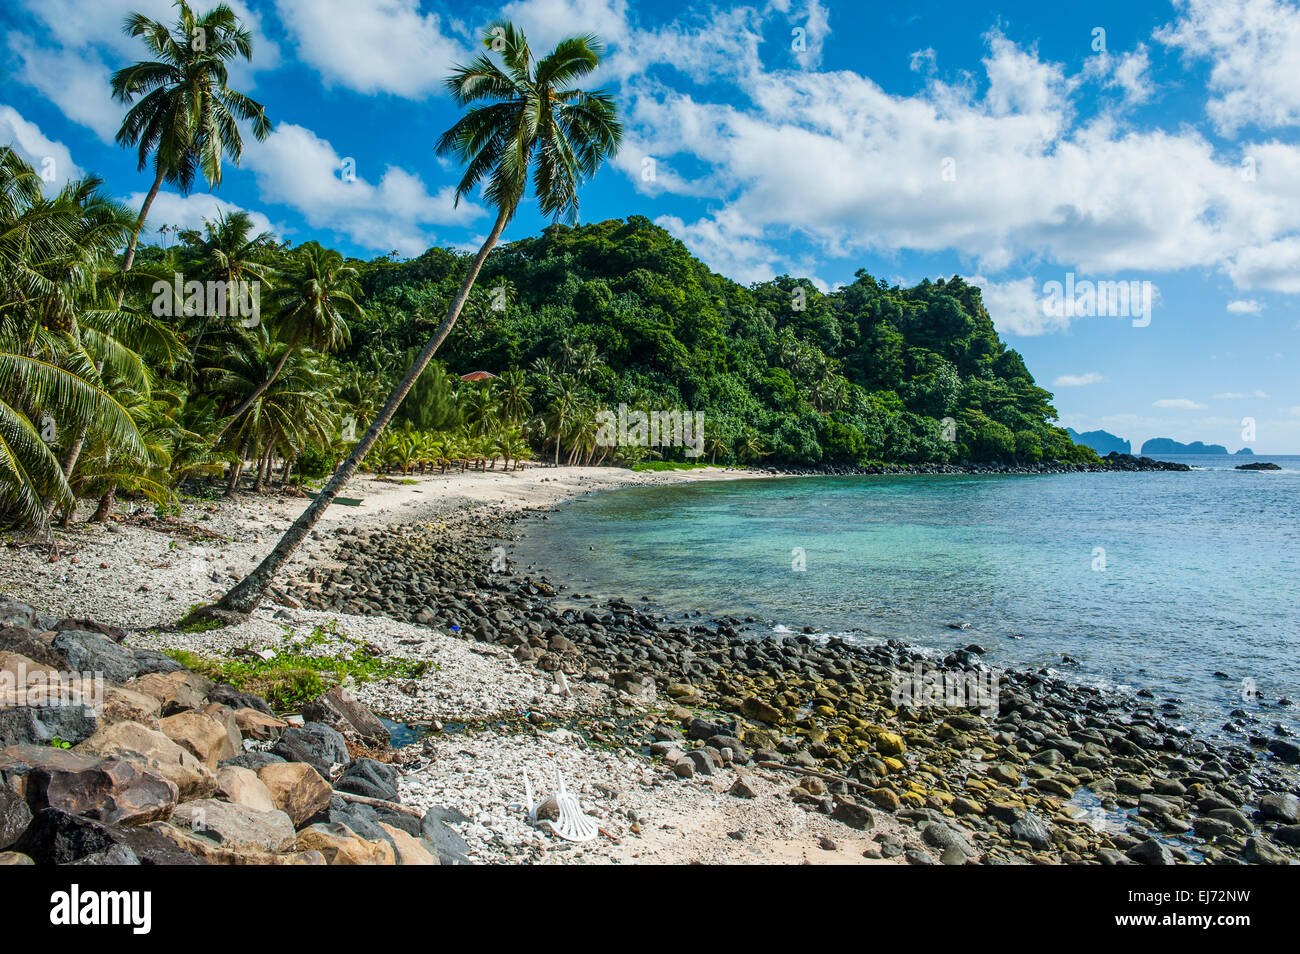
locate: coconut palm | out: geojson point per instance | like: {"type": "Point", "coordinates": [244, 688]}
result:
{"type": "Point", "coordinates": [564, 404]}
{"type": "Point", "coordinates": [514, 392]}
{"type": "Point", "coordinates": [309, 307]}
{"type": "Point", "coordinates": [229, 251]}
{"type": "Point", "coordinates": [523, 119]}
{"type": "Point", "coordinates": [53, 255]}
{"type": "Point", "coordinates": [183, 114]}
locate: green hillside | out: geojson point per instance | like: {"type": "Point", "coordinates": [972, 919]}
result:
{"type": "Point", "coordinates": [780, 370]}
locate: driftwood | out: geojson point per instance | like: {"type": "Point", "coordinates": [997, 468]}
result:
{"type": "Point", "coordinates": [379, 803]}
{"type": "Point", "coordinates": [824, 776]}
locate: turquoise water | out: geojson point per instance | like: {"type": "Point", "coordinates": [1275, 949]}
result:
{"type": "Point", "coordinates": [1149, 580]}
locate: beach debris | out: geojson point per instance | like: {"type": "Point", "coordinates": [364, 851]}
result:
{"type": "Point", "coordinates": [569, 821]}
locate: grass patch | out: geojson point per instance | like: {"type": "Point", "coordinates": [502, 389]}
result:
{"type": "Point", "coordinates": [306, 669]}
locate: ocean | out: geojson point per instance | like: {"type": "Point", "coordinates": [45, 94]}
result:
{"type": "Point", "coordinates": [1184, 584]}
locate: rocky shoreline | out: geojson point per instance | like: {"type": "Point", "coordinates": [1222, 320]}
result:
{"type": "Point", "coordinates": [118, 755]}
{"type": "Point", "coordinates": [1114, 461]}
{"type": "Point", "coordinates": [1060, 774]}
{"type": "Point", "coordinates": [688, 739]}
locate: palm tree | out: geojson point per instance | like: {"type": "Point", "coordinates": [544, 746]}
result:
{"type": "Point", "coordinates": [309, 308]}
{"type": "Point", "coordinates": [564, 404]}
{"type": "Point", "coordinates": [524, 117]}
{"type": "Point", "coordinates": [187, 116]}
{"type": "Point", "coordinates": [53, 253]}
{"type": "Point", "coordinates": [514, 393]}
{"type": "Point", "coordinates": [229, 252]}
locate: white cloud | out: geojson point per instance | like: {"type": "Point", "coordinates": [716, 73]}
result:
{"type": "Point", "coordinates": [1181, 404]}
{"type": "Point", "coordinates": [50, 158]}
{"type": "Point", "coordinates": [189, 212]}
{"type": "Point", "coordinates": [1077, 380]}
{"type": "Point", "coordinates": [1245, 306]}
{"type": "Point", "coordinates": [296, 167]}
{"type": "Point", "coordinates": [74, 81]}
{"type": "Point", "coordinates": [727, 245]}
{"type": "Point", "coordinates": [1001, 176]}
{"type": "Point", "coordinates": [1271, 267]}
{"type": "Point", "coordinates": [373, 46]}
{"type": "Point", "coordinates": [1128, 72]}
{"type": "Point", "coordinates": [1238, 396]}
{"type": "Point", "coordinates": [1253, 47]}
{"type": "Point", "coordinates": [1016, 306]}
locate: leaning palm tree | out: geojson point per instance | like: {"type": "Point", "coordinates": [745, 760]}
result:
{"type": "Point", "coordinates": [525, 117]}
{"type": "Point", "coordinates": [187, 116]}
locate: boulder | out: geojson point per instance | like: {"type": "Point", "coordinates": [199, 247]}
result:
{"type": "Point", "coordinates": [15, 613]}
{"type": "Point", "coordinates": [235, 826]}
{"type": "Point", "coordinates": [753, 707]}
{"type": "Point", "coordinates": [84, 651]}
{"type": "Point", "coordinates": [450, 846]}
{"type": "Point", "coordinates": [253, 760]}
{"type": "Point", "coordinates": [228, 695]}
{"type": "Point", "coordinates": [1259, 851]}
{"type": "Point", "coordinates": [1280, 806]}
{"type": "Point", "coordinates": [202, 735]}
{"type": "Point", "coordinates": [409, 850]}
{"type": "Point", "coordinates": [241, 786]}
{"type": "Point", "coordinates": [57, 837]}
{"type": "Point", "coordinates": [1032, 829]}
{"type": "Point", "coordinates": [255, 724]}
{"type": "Point", "coordinates": [226, 716]}
{"type": "Point", "coordinates": [127, 705]}
{"type": "Point", "coordinates": [1286, 750]}
{"type": "Point", "coordinates": [115, 633]}
{"type": "Point", "coordinates": [297, 789]}
{"type": "Point", "coordinates": [370, 778]}
{"type": "Point", "coordinates": [42, 724]}
{"type": "Point", "coordinates": [316, 744]}
{"type": "Point", "coordinates": [32, 643]}
{"type": "Point", "coordinates": [175, 691]}
{"type": "Point", "coordinates": [155, 752]}
{"type": "Point", "coordinates": [852, 814]}
{"type": "Point", "coordinates": [341, 846]}
{"type": "Point", "coordinates": [209, 852]}
{"type": "Point", "coordinates": [1151, 852]}
{"type": "Point", "coordinates": [15, 816]}
{"type": "Point", "coordinates": [340, 710]}
{"type": "Point", "coordinates": [14, 858]}
{"type": "Point", "coordinates": [108, 789]}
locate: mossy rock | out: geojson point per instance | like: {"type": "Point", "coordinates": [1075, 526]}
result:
{"type": "Point", "coordinates": [890, 743]}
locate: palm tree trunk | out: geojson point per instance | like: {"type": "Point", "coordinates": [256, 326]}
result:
{"type": "Point", "coordinates": [105, 506]}
{"type": "Point", "coordinates": [139, 227]}
{"type": "Point", "coordinates": [249, 591]}
{"type": "Point", "coordinates": [261, 389]}
{"type": "Point", "coordinates": [235, 467]}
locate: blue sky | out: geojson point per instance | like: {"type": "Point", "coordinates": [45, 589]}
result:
{"type": "Point", "coordinates": [1012, 144]}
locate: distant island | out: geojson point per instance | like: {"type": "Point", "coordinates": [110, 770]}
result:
{"type": "Point", "coordinates": [1165, 445]}
{"type": "Point", "coordinates": [1244, 450]}
{"type": "Point", "coordinates": [1103, 442]}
